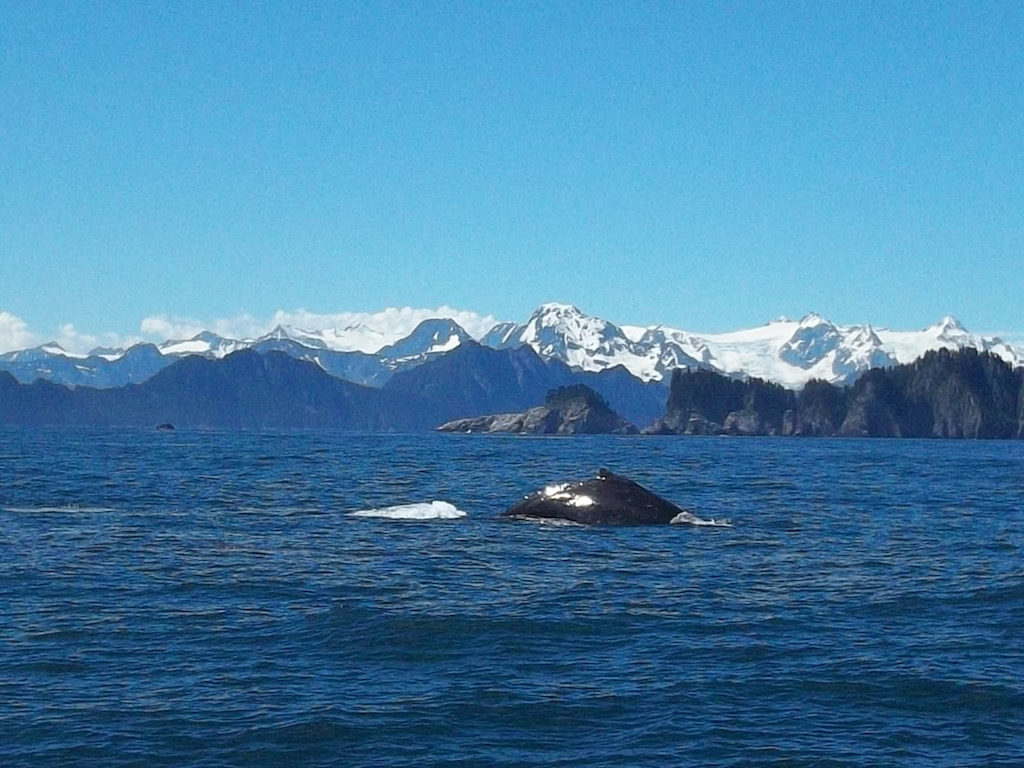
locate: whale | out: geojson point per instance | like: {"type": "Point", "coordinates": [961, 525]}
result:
{"type": "Point", "coordinates": [607, 499]}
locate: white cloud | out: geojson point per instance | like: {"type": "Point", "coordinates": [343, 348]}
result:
{"type": "Point", "coordinates": [163, 327]}
{"type": "Point", "coordinates": [14, 333]}
{"type": "Point", "coordinates": [364, 331]}
{"type": "Point", "coordinates": [243, 326]}
{"type": "Point", "coordinates": [73, 341]}
{"type": "Point", "coordinates": [80, 343]}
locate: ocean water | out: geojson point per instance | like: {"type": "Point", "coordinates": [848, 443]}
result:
{"type": "Point", "coordinates": [195, 598]}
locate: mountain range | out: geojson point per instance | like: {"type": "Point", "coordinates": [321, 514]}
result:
{"type": "Point", "coordinates": [249, 389]}
{"type": "Point", "coordinates": [786, 352]}
{"type": "Point", "coordinates": [962, 393]}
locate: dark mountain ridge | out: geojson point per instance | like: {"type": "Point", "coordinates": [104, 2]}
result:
{"type": "Point", "coordinates": [475, 380]}
{"type": "Point", "coordinates": [244, 390]}
{"type": "Point", "coordinates": [247, 389]}
{"type": "Point", "coordinates": [963, 394]}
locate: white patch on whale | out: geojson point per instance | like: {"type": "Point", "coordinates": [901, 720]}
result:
{"type": "Point", "coordinates": [430, 510]}
{"type": "Point", "coordinates": [582, 500]}
{"type": "Point", "coordinates": [558, 492]}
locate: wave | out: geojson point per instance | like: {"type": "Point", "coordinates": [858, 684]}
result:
{"type": "Point", "coordinates": [430, 510]}
{"type": "Point", "coordinates": [688, 518]}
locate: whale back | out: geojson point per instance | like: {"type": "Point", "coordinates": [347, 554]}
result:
{"type": "Point", "coordinates": [607, 499]}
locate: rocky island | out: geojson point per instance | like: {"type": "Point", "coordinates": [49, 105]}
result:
{"type": "Point", "coordinates": [570, 410]}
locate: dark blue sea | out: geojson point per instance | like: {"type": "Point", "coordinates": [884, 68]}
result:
{"type": "Point", "coordinates": [208, 599]}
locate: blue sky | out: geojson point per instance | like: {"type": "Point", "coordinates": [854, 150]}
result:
{"type": "Point", "coordinates": [708, 166]}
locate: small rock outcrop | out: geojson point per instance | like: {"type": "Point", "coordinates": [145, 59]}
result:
{"type": "Point", "coordinates": [572, 410]}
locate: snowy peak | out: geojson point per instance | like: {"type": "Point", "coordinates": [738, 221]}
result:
{"type": "Point", "coordinates": [283, 333]}
{"type": "Point", "coordinates": [50, 349]}
{"type": "Point", "coordinates": [430, 337]}
{"type": "Point", "coordinates": [562, 328]}
{"type": "Point", "coordinates": [500, 336]}
{"type": "Point", "coordinates": [860, 350]}
{"type": "Point", "coordinates": [44, 351]}
{"type": "Point", "coordinates": [354, 337]}
{"type": "Point", "coordinates": [280, 333]}
{"type": "Point", "coordinates": [950, 329]}
{"type": "Point", "coordinates": [812, 320]}
{"type": "Point", "coordinates": [948, 333]}
{"type": "Point", "coordinates": [790, 353]}
{"type": "Point", "coordinates": [814, 339]}
{"type": "Point", "coordinates": [821, 349]}
{"type": "Point", "coordinates": [207, 343]}
{"type": "Point", "coordinates": [588, 343]}
{"type": "Point", "coordinates": [863, 336]}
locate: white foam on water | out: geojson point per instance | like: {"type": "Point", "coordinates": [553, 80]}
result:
{"type": "Point", "coordinates": [688, 518]}
{"type": "Point", "coordinates": [558, 521]}
{"type": "Point", "coordinates": [430, 510]}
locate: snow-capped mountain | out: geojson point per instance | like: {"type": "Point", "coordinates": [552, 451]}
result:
{"type": "Point", "coordinates": [331, 350]}
{"type": "Point", "coordinates": [428, 339]}
{"type": "Point", "coordinates": [790, 353]}
{"type": "Point", "coordinates": [102, 368]}
{"type": "Point", "coordinates": [207, 344]}
{"type": "Point", "coordinates": [785, 351]}
{"type": "Point", "coordinates": [948, 333]}
{"type": "Point", "coordinates": [562, 332]}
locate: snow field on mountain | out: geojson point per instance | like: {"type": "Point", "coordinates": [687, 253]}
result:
{"type": "Point", "coordinates": [784, 351]}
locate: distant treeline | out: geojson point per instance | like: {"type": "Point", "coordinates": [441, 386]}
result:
{"type": "Point", "coordinates": [946, 393]}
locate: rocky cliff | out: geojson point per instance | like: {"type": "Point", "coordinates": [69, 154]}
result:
{"type": "Point", "coordinates": [958, 394]}
{"type": "Point", "coordinates": [707, 403]}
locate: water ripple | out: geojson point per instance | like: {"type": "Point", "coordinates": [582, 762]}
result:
{"type": "Point", "coordinates": [206, 599]}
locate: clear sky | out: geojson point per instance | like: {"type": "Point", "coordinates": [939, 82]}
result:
{"type": "Point", "coordinates": [708, 166]}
